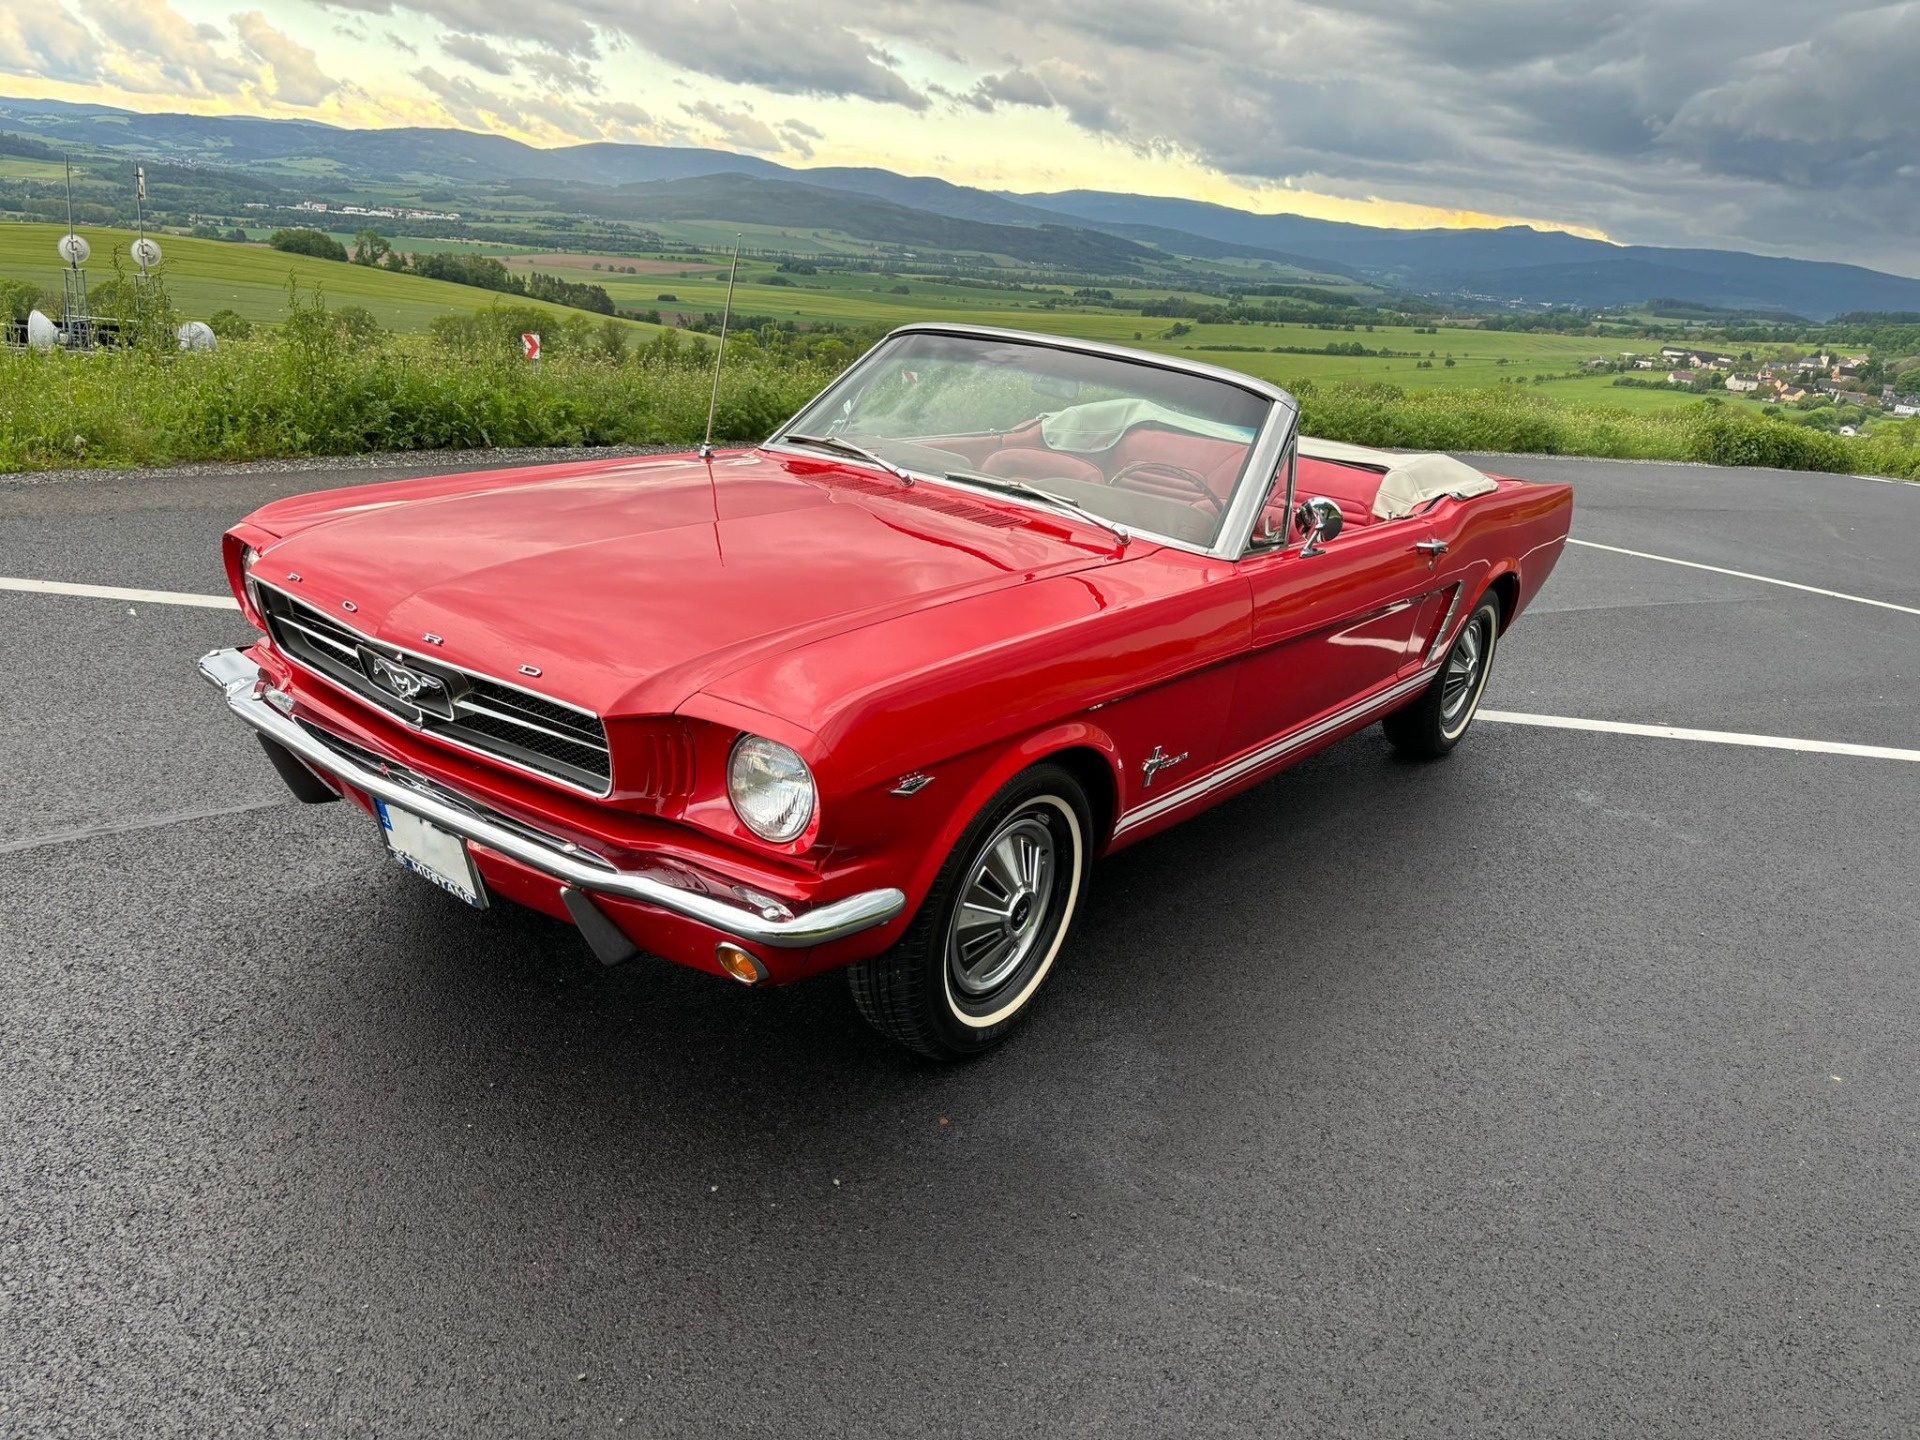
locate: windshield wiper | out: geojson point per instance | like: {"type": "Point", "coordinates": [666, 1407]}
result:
{"type": "Point", "coordinates": [1009, 486]}
{"type": "Point", "coordinates": [847, 447]}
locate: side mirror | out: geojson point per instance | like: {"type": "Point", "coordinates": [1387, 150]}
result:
{"type": "Point", "coordinates": [1319, 520]}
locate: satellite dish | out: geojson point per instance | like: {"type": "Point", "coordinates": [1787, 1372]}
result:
{"type": "Point", "coordinates": [197, 335]}
{"type": "Point", "coordinates": [42, 333]}
{"type": "Point", "coordinates": [74, 250]}
{"type": "Point", "coordinates": [146, 253]}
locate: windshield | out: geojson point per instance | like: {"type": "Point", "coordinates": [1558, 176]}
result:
{"type": "Point", "coordinates": [1150, 449]}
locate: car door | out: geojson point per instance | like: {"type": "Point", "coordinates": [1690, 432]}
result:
{"type": "Point", "coordinates": [1331, 628]}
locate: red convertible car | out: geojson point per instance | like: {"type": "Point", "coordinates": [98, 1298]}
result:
{"type": "Point", "coordinates": [877, 693]}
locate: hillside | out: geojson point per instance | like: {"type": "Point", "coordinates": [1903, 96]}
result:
{"type": "Point", "coordinates": [210, 160]}
{"type": "Point", "coordinates": [1515, 262]}
{"type": "Point", "coordinates": [204, 276]}
{"type": "Point", "coordinates": [756, 200]}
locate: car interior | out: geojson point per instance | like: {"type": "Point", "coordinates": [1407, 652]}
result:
{"type": "Point", "coordinates": [1154, 476]}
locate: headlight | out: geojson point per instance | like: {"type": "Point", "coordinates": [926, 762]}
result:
{"type": "Point", "coordinates": [771, 789]}
{"type": "Point", "coordinates": [250, 592]}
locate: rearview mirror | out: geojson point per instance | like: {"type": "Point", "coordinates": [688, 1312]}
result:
{"type": "Point", "coordinates": [1319, 520]}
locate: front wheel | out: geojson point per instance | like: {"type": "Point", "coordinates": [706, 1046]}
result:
{"type": "Point", "coordinates": [1433, 724]}
{"type": "Point", "coordinates": [984, 941]}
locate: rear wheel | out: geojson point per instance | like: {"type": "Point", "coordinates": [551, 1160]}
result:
{"type": "Point", "coordinates": [984, 941]}
{"type": "Point", "coordinates": [1434, 724]}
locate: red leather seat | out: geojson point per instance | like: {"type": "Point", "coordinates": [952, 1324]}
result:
{"type": "Point", "coordinates": [1351, 488]}
{"type": "Point", "coordinates": [1021, 463]}
{"type": "Point", "coordinates": [1215, 461]}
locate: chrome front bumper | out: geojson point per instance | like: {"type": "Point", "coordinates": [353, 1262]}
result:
{"type": "Point", "coordinates": [765, 923]}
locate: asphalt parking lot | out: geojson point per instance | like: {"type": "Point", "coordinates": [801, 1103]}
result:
{"type": "Point", "coordinates": [1566, 1087]}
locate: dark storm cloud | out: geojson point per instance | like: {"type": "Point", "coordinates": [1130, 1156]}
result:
{"type": "Point", "coordinates": [1772, 125]}
{"type": "Point", "coordinates": [773, 44]}
{"type": "Point", "coordinates": [472, 50]}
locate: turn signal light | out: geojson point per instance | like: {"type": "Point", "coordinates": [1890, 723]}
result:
{"type": "Point", "coordinates": [742, 966]}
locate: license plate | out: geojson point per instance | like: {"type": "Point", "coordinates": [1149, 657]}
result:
{"type": "Point", "coordinates": [435, 855]}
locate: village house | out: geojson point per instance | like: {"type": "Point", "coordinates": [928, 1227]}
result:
{"type": "Point", "coordinates": [1681, 377]}
{"type": "Point", "coordinates": [1743, 384]}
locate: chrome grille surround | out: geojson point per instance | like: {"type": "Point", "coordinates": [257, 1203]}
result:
{"type": "Point", "coordinates": [490, 717]}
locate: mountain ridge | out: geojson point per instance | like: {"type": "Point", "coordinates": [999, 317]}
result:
{"type": "Point", "coordinates": [1514, 264]}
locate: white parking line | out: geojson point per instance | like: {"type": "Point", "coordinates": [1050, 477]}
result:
{"type": "Point", "coordinates": [115, 592]}
{"type": "Point", "coordinates": [129, 824]}
{"type": "Point", "coordinates": [1747, 575]}
{"type": "Point", "coordinates": [1711, 737]}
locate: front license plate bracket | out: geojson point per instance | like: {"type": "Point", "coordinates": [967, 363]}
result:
{"type": "Point", "coordinates": [437, 856]}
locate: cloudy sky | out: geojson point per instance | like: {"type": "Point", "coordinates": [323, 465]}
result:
{"type": "Point", "coordinates": [1780, 127]}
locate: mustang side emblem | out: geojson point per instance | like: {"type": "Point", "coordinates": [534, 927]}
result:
{"type": "Point", "coordinates": [1156, 762]}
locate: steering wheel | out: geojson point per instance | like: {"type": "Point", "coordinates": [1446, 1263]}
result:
{"type": "Point", "coordinates": [1160, 470]}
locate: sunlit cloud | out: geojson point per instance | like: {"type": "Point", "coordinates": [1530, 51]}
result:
{"type": "Point", "coordinates": [1789, 131]}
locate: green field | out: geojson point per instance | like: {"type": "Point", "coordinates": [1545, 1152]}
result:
{"type": "Point", "coordinates": [1481, 357]}
{"type": "Point", "coordinates": [203, 276]}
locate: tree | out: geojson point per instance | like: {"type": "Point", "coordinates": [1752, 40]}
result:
{"type": "Point", "coordinates": [370, 247]}
{"type": "Point", "coordinates": [18, 299]}
{"type": "Point", "coordinates": [613, 340]}
{"type": "Point", "coordinates": [308, 242]}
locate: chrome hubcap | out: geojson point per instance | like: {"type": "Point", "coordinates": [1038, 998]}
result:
{"type": "Point", "coordinates": [998, 921]}
{"type": "Point", "coordinates": [1463, 674]}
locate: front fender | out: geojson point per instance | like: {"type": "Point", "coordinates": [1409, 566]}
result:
{"type": "Point", "coordinates": [987, 780]}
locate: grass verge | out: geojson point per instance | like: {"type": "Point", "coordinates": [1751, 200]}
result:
{"type": "Point", "coordinates": [308, 389]}
{"type": "Point", "coordinates": [1508, 419]}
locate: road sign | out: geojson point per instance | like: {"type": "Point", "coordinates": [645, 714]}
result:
{"type": "Point", "coordinates": [531, 344]}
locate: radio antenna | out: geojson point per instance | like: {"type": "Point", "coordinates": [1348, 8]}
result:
{"type": "Point", "coordinates": [726, 314]}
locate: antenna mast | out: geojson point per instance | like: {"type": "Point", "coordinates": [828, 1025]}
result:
{"type": "Point", "coordinates": [726, 314]}
{"type": "Point", "coordinates": [76, 318]}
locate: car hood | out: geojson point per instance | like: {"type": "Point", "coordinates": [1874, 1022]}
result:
{"type": "Point", "coordinates": [625, 586]}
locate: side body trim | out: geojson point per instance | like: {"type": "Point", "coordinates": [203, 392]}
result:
{"type": "Point", "coordinates": [1255, 760]}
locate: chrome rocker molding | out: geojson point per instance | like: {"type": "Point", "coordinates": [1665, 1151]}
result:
{"type": "Point", "coordinates": [238, 679]}
{"type": "Point", "coordinates": [1255, 760]}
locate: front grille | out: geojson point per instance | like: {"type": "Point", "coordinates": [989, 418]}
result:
{"type": "Point", "coordinates": [527, 730]}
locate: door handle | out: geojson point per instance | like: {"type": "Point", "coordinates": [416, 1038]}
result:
{"type": "Point", "coordinates": [1432, 547]}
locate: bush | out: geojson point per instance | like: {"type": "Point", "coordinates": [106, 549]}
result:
{"type": "Point", "coordinates": [308, 242]}
{"type": "Point", "coordinates": [1508, 419]}
{"type": "Point", "coordinates": [357, 324]}
{"type": "Point", "coordinates": [305, 390]}
{"type": "Point", "coordinates": [230, 325]}
{"type": "Point", "coordinates": [323, 383]}
{"type": "Point", "coordinates": [1740, 440]}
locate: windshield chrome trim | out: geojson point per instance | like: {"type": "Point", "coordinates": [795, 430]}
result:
{"type": "Point", "coordinates": [1263, 456]}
